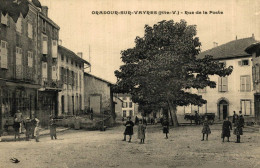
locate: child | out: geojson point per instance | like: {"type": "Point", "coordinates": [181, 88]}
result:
{"type": "Point", "coordinates": [141, 131]}
{"type": "Point", "coordinates": [37, 130]}
{"type": "Point", "coordinates": [206, 129]}
{"type": "Point", "coordinates": [227, 126]}
{"type": "Point", "coordinates": [16, 129]}
{"type": "Point", "coordinates": [129, 129]}
{"type": "Point", "coordinates": [165, 125]}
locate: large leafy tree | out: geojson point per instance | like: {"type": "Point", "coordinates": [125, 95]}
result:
{"type": "Point", "coordinates": [14, 8]}
{"type": "Point", "coordinates": [163, 64]}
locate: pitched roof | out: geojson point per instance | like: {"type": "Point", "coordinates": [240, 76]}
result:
{"type": "Point", "coordinates": [98, 78]}
{"type": "Point", "coordinates": [231, 49]}
{"type": "Point", "coordinates": [71, 54]}
{"type": "Point", "coordinates": [250, 49]}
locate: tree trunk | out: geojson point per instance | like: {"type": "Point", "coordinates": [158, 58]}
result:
{"type": "Point", "coordinates": [173, 110]}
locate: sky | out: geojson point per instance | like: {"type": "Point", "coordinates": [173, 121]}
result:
{"type": "Point", "coordinates": [102, 37]}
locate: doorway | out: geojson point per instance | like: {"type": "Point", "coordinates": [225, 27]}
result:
{"type": "Point", "coordinates": [223, 109]}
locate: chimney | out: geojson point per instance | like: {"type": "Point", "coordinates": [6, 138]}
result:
{"type": "Point", "coordinates": [45, 10]}
{"type": "Point", "coordinates": [253, 36]}
{"type": "Point", "coordinates": [215, 44]}
{"type": "Point", "coordinates": [80, 54]}
{"type": "Point", "coordinates": [60, 42]}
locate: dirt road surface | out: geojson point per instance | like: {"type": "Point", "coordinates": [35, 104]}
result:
{"type": "Point", "coordinates": [183, 149]}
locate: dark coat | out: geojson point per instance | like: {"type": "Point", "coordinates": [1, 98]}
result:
{"type": "Point", "coordinates": [52, 127]}
{"type": "Point", "coordinates": [226, 127]}
{"type": "Point", "coordinates": [234, 118]}
{"type": "Point", "coordinates": [165, 125]}
{"type": "Point", "coordinates": [239, 124]}
{"type": "Point", "coordinates": [16, 126]}
{"type": "Point", "coordinates": [129, 128]}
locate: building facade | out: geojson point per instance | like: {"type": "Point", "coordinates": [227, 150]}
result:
{"type": "Point", "coordinates": [129, 107]}
{"type": "Point", "coordinates": [25, 65]}
{"type": "Point", "coordinates": [98, 95]}
{"type": "Point", "coordinates": [71, 75]}
{"type": "Point", "coordinates": [254, 49]}
{"type": "Point", "coordinates": [233, 92]}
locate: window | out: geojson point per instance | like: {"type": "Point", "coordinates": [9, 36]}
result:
{"type": "Point", "coordinates": [44, 44]}
{"type": "Point", "coordinates": [245, 107]}
{"type": "Point", "coordinates": [30, 59]}
{"type": "Point", "coordinates": [30, 30]}
{"type": "Point", "coordinates": [245, 83]}
{"type": "Point", "coordinates": [124, 104]}
{"type": "Point", "coordinates": [130, 104]}
{"type": "Point", "coordinates": [130, 113]}
{"type": "Point", "coordinates": [3, 55]}
{"type": "Point", "coordinates": [62, 57]}
{"type": "Point", "coordinates": [19, 25]}
{"type": "Point", "coordinates": [43, 25]}
{"type": "Point", "coordinates": [222, 84]}
{"type": "Point", "coordinates": [4, 19]}
{"type": "Point", "coordinates": [54, 48]}
{"type": "Point", "coordinates": [54, 72]}
{"type": "Point", "coordinates": [124, 113]}
{"type": "Point", "coordinates": [244, 62]}
{"type": "Point", "coordinates": [44, 70]}
{"type": "Point", "coordinates": [222, 64]}
{"type": "Point", "coordinates": [202, 90]}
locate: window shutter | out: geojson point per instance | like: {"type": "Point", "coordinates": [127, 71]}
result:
{"type": "Point", "coordinates": [30, 30]}
{"type": "Point", "coordinates": [239, 63]}
{"type": "Point", "coordinates": [54, 73]}
{"type": "Point", "coordinates": [19, 25]}
{"type": "Point", "coordinates": [54, 49]}
{"type": "Point", "coordinates": [248, 84]}
{"type": "Point", "coordinates": [224, 84]}
{"type": "Point", "coordinates": [3, 54]}
{"type": "Point", "coordinates": [243, 106]}
{"type": "Point", "coordinates": [44, 70]}
{"type": "Point", "coordinates": [242, 84]}
{"type": "Point", "coordinates": [248, 107]}
{"type": "Point", "coordinates": [44, 44]}
{"type": "Point", "coordinates": [219, 84]}
{"type": "Point", "coordinates": [254, 73]}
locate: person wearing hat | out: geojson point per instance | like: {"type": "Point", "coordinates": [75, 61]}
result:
{"type": "Point", "coordinates": [52, 128]}
{"type": "Point", "coordinates": [28, 127]}
{"type": "Point", "coordinates": [129, 129]}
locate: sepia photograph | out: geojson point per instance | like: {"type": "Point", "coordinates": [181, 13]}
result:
{"type": "Point", "coordinates": [129, 83]}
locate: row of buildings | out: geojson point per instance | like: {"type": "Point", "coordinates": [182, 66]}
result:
{"type": "Point", "coordinates": [40, 77]}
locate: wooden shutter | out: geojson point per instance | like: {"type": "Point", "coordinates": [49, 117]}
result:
{"type": "Point", "coordinates": [219, 84]}
{"type": "Point", "coordinates": [54, 49]}
{"type": "Point", "coordinates": [242, 83]}
{"type": "Point", "coordinates": [44, 44]}
{"type": "Point", "coordinates": [248, 107]}
{"type": "Point", "coordinates": [248, 83]}
{"type": "Point", "coordinates": [19, 25]}
{"type": "Point", "coordinates": [44, 70]}
{"type": "Point", "coordinates": [239, 63]}
{"type": "Point", "coordinates": [54, 73]}
{"type": "Point", "coordinates": [257, 73]}
{"type": "Point", "coordinates": [3, 53]}
{"type": "Point", "coordinates": [224, 84]}
{"type": "Point", "coordinates": [30, 30]}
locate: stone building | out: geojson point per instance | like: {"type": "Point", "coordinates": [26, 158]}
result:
{"type": "Point", "coordinates": [129, 107]}
{"type": "Point", "coordinates": [71, 74]}
{"type": "Point", "coordinates": [98, 95]}
{"type": "Point", "coordinates": [233, 92]}
{"type": "Point", "coordinates": [254, 49]}
{"type": "Point", "coordinates": [28, 54]}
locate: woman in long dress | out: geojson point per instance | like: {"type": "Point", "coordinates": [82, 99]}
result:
{"type": "Point", "coordinates": [141, 131]}
{"type": "Point", "coordinates": [226, 127]}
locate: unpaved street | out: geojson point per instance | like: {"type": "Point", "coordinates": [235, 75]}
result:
{"type": "Point", "coordinates": [184, 148]}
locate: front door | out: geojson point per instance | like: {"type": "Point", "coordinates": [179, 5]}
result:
{"type": "Point", "coordinates": [223, 109]}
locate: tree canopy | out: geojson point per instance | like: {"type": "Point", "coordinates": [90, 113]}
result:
{"type": "Point", "coordinates": [14, 8]}
{"type": "Point", "coordinates": [163, 64]}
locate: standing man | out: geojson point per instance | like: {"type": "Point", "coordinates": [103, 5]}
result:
{"type": "Point", "coordinates": [239, 124]}
{"type": "Point", "coordinates": [52, 128]}
{"type": "Point", "coordinates": [28, 128]}
{"type": "Point", "coordinates": [234, 117]}
{"type": "Point", "coordinates": [19, 117]}
{"type": "Point", "coordinates": [129, 129]}
{"type": "Point", "coordinates": [165, 125]}
{"type": "Point", "coordinates": [196, 118]}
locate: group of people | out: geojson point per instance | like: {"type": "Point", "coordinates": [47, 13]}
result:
{"type": "Point", "coordinates": [32, 127]}
{"type": "Point", "coordinates": [141, 129]}
{"type": "Point", "coordinates": [238, 124]}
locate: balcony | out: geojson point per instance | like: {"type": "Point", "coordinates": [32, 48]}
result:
{"type": "Point", "coordinates": [52, 83]}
